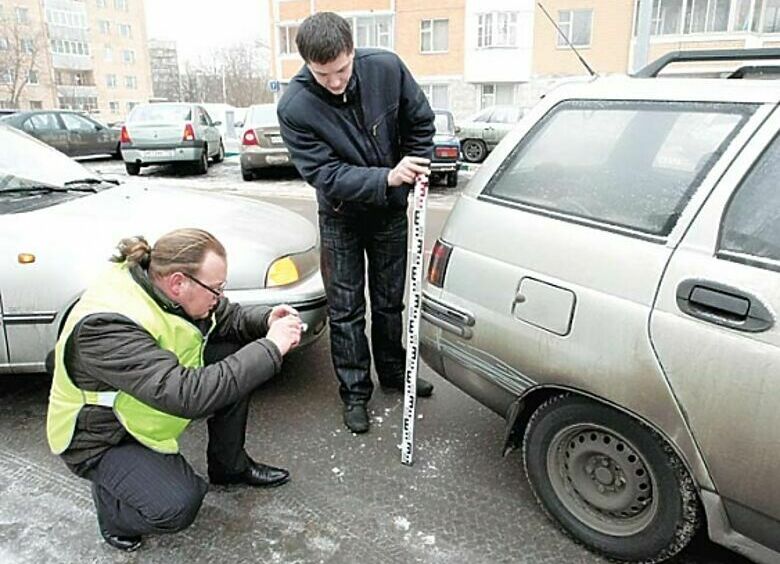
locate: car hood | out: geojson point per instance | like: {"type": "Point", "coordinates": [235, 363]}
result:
{"type": "Point", "coordinates": [87, 229]}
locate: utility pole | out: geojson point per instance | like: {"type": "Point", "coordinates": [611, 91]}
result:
{"type": "Point", "coordinates": [642, 40]}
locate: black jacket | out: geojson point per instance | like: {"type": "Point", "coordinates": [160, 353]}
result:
{"type": "Point", "coordinates": [346, 145]}
{"type": "Point", "coordinates": [108, 352]}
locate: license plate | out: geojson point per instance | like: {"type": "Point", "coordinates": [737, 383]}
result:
{"type": "Point", "coordinates": [277, 159]}
{"type": "Point", "coordinates": [276, 139]}
{"type": "Point", "coordinates": [158, 154]}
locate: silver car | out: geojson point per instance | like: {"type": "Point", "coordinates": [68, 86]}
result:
{"type": "Point", "coordinates": [261, 142]}
{"type": "Point", "coordinates": [170, 133]}
{"type": "Point", "coordinates": [480, 133]}
{"type": "Point", "coordinates": [609, 283]}
{"type": "Point", "coordinates": [60, 223]}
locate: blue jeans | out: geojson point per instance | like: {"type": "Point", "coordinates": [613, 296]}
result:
{"type": "Point", "coordinates": [346, 241]}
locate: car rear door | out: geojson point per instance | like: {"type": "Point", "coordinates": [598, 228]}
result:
{"type": "Point", "coordinates": [48, 128]}
{"type": "Point", "coordinates": [208, 131]}
{"type": "Point", "coordinates": [82, 135]}
{"type": "Point", "coordinates": [716, 331]}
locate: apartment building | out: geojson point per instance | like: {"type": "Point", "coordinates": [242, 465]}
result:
{"type": "Point", "coordinates": [164, 63]}
{"type": "Point", "coordinates": [90, 54]}
{"type": "Point", "coordinates": [464, 54]}
{"type": "Point", "coordinates": [604, 31]}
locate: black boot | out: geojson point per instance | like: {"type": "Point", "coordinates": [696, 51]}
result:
{"type": "Point", "coordinates": [424, 387]}
{"type": "Point", "coordinates": [125, 544]}
{"type": "Point", "coordinates": [356, 417]}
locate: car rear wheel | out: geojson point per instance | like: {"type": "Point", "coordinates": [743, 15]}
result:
{"type": "Point", "coordinates": [202, 164]}
{"type": "Point", "coordinates": [220, 156]}
{"type": "Point", "coordinates": [452, 179]}
{"type": "Point", "coordinates": [132, 168]}
{"type": "Point", "coordinates": [247, 174]}
{"type": "Point", "coordinates": [474, 150]}
{"type": "Point", "coordinates": [609, 481]}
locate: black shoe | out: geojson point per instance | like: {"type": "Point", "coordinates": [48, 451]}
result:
{"type": "Point", "coordinates": [256, 474]}
{"type": "Point", "coordinates": [125, 544]}
{"type": "Point", "coordinates": [356, 417]}
{"type": "Point", "coordinates": [424, 387]}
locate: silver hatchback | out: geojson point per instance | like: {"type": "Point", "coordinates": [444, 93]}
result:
{"type": "Point", "coordinates": [170, 133]}
{"type": "Point", "coordinates": [609, 283]}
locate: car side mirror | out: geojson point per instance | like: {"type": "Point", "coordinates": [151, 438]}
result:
{"type": "Point", "coordinates": [238, 124]}
{"type": "Point", "coordinates": [457, 129]}
{"type": "Point", "coordinates": [216, 123]}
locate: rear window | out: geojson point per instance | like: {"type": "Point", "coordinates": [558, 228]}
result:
{"type": "Point", "coordinates": [443, 124]}
{"type": "Point", "coordinates": [628, 164]}
{"type": "Point", "coordinates": [263, 116]}
{"type": "Point", "coordinates": [154, 113]}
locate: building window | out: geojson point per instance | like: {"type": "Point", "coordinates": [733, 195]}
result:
{"type": "Point", "coordinates": [128, 56]}
{"type": "Point", "coordinates": [125, 30]}
{"type": "Point", "coordinates": [771, 17]}
{"type": "Point", "coordinates": [438, 95]}
{"type": "Point", "coordinates": [576, 26]}
{"type": "Point", "coordinates": [434, 36]}
{"type": "Point", "coordinates": [372, 31]}
{"type": "Point", "coordinates": [131, 105]}
{"type": "Point", "coordinates": [131, 82]}
{"type": "Point", "coordinates": [707, 16]}
{"type": "Point", "coordinates": [491, 94]}
{"type": "Point", "coordinates": [287, 36]}
{"type": "Point", "coordinates": [5, 76]}
{"type": "Point", "coordinates": [101, 3]}
{"type": "Point", "coordinates": [65, 18]}
{"type": "Point", "coordinates": [22, 15]}
{"type": "Point", "coordinates": [497, 29]}
{"type": "Point", "coordinates": [36, 105]}
{"type": "Point", "coordinates": [3, 44]}
{"type": "Point", "coordinates": [27, 45]}
{"type": "Point", "coordinates": [108, 54]}
{"type": "Point", "coordinates": [120, 5]}
{"type": "Point", "coordinates": [104, 27]}
{"type": "Point", "coordinates": [113, 107]}
{"type": "Point", "coordinates": [67, 47]}
{"type": "Point", "coordinates": [111, 80]}
{"type": "Point", "coordinates": [32, 77]}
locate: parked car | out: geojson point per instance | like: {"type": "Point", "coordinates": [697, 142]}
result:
{"type": "Point", "coordinates": [446, 150]}
{"type": "Point", "coordinates": [609, 283]}
{"type": "Point", "coordinates": [480, 133]}
{"type": "Point", "coordinates": [170, 133]}
{"type": "Point", "coordinates": [60, 223]}
{"type": "Point", "coordinates": [73, 133]}
{"type": "Point", "coordinates": [261, 142]}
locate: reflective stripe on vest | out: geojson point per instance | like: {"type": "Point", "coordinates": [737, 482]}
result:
{"type": "Point", "coordinates": [115, 292]}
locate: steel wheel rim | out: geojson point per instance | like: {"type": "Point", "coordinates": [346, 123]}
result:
{"type": "Point", "coordinates": [473, 150]}
{"type": "Point", "coordinates": [600, 478]}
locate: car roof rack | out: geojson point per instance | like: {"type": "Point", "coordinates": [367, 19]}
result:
{"type": "Point", "coordinates": [708, 55]}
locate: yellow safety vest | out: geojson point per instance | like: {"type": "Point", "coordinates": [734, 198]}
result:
{"type": "Point", "coordinates": [116, 292]}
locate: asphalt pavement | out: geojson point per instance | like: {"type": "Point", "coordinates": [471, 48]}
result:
{"type": "Point", "coordinates": [350, 498]}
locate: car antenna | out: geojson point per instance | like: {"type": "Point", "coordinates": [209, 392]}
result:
{"type": "Point", "coordinates": [552, 21]}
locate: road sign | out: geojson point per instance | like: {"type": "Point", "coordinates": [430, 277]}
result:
{"type": "Point", "coordinates": [273, 85]}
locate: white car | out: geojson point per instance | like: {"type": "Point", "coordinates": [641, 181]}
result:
{"type": "Point", "coordinates": [170, 133]}
{"type": "Point", "coordinates": [59, 224]}
{"type": "Point", "coordinates": [609, 283]}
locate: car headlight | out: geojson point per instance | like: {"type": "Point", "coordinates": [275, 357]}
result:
{"type": "Point", "coordinates": [288, 270]}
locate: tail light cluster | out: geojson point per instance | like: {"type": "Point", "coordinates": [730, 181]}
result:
{"type": "Point", "coordinates": [189, 133]}
{"type": "Point", "coordinates": [249, 138]}
{"type": "Point", "coordinates": [437, 267]}
{"type": "Point", "coordinates": [124, 136]}
{"type": "Point", "coordinates": [446, 152]}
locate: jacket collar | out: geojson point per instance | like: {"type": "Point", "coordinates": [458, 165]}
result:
{"type": "Point", "coordinates": [350, 95]}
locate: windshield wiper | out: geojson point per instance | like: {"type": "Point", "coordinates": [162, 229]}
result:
{"type": "Point", "coordinates": [91, 181]}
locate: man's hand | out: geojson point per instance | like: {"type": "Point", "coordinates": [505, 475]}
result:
{"type": "Point", "coordinates": [285, 332]}
{"type": "Point", "coordinates": [407, 170]}
{"type": "Point", "coordinates": [281, 311]}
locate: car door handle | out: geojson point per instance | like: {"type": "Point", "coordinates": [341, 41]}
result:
{"type": "Point", "coordinates": [723, 305]}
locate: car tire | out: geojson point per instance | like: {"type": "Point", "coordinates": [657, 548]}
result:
{"type": "Point", "coordinates": [609, 481]}
{"type": "Point", "coordinates": [452, 179]}
{"type": "Point", "coordinates": [247, 174]}
{"type": "Point", "coordinates": [118, 153]}
{"type": "Point", "coordinates": [132, 168]}
{"type": "Point", "coordinates": [220, 156]}
{"type": "Point", "coordinates": [202, 164]}
{"type": "Point", "coordinates": [474, 150]}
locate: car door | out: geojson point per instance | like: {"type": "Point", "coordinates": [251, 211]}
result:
{"type": "Point", "coordinates": [501, 122]}
{"type": "Point", "coordinates": [208, 131]}
{"type": "Point", "coordinates": [3, 340]}
{"type": "Point", "coordinates": [82, 136]}
{"type": "Point", "coordinates": [717, 335]}
{"type": "Point", "coordinates": [48, 128]}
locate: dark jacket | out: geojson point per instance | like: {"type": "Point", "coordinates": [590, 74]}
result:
{"type": "Point", "coordinates": [108, 352]}
{"type": "Point", "coordinates": [346, 145]}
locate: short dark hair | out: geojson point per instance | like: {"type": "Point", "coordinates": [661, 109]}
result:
{"type": "Point", "coordinates": [322, 37]}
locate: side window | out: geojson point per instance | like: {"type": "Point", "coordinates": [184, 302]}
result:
{"type": "Point", "coordinates": [628, 165]}
{"type": "Point", "coordinates": [203, 117]}
{"type": "Point", "coordinates": [751, 224]}
{"type": "Point", "coordinates": [77, 123]}
{"type": "Point", "coordinates": [41, 122]}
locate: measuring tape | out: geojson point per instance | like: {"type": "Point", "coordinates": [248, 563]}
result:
{"type": "Point", "coordinates": [415, 306]}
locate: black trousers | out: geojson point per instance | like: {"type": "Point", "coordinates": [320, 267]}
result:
{"type": "Point", "coordinates": [138, 491]}
{"type": "Point", "coordinates": [346, 241]}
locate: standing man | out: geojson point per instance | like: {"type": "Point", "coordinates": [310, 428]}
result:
{"type": "Point", "coordinates": [150, 345]}
{"type": "Point", "coordinates": [359, 130]}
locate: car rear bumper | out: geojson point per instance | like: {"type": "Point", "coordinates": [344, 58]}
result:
{"type": "Point", "coordinates": [307, 297]}
{"type": "Point", "coordinates": [261, 157]}
{"type": "Point", "coordinates": [157, 154]}
{"type": "Point", "coordinates": [444, 166]}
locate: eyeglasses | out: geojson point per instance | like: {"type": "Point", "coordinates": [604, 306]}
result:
{"type": "Point", "coordinates": [216, 291]}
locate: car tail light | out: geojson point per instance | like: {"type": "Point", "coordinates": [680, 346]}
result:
{"type": "Point", "coordinates": [249, 138]}
{"type": "Point", "coordinates": [189, 133]}
{"type": "Point", "coordinates": [446, 152]}
{"type": "Point", "coordinates": [437, 267]}
{"type": "Point", "coordinates": [124, 136]}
